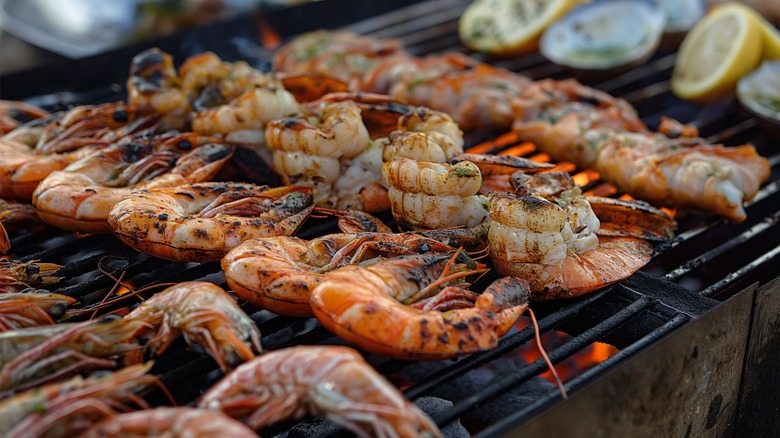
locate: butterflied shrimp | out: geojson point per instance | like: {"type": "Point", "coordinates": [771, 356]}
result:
{"type": "Point", "coordinates": [19, 310]}
{"type": "Point", "coordinates": [369, 306]}
{"type": "Point", "coordinates": [310, 380]}
{"type": "Point", "coordinates": [605, 135]}
{"type": "Point", "coordinates": [80, 197]}
{"type": "Point", "coordinates": [307, 150]}
{"type": "Point", "coordinates": [204, 314]}
{"type": "Point", "coordinates": [279, 273]}
{"type": "Point", "coordinates": [202, 222]}
{"type": "Point", "coordinates": [557, 248]}
{"type": "Point", "coordinates": [178, 422]}
{"type": "Point", "coordinates": [476, 95]}
{"type": "Point", "coordinates": [344, 55]}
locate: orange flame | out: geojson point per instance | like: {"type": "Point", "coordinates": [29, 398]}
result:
{"type": "Point", "coordinates": [572, 366]}
{"type": "Point", "coordinates": [498, 142]}
{"type": "Point", "coordinates": [268, 38]}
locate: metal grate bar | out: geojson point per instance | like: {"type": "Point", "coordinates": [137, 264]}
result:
{"type": "Point", "coordinates": [499, 428]}
{"type": "Point", "coordinates": [766, 224]}
{"type": "Point", "coordinates": [506, 345]}
{"type": "Point", "coordinates": [740, 273]}
{"type": "Point", "coordinates": [512, 380]}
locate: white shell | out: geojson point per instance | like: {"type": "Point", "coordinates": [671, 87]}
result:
{"type": "Point", "coordinates": [604, 34]}
{"type": "Point", "coordinates": [759, 91]}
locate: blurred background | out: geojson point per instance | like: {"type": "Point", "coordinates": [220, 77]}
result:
{"type": "Point", "coordinates": [35, 32]}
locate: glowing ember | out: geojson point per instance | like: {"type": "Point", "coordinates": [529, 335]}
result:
{"type": "Point", "coordinates": [574, 365]}
{"type": "Point", "coordinates": [585, 177]}
{"type": "Point", "coordinates": [268, 37]}
{"type": "Point", "coordinates": [520, 150]}
{"type": "Point", "coordinates": [496, 143]}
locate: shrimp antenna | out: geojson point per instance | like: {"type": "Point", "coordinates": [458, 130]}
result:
{"type": "Point", "coordinates": [546, 358]}
{"type": "Point", "coordinates": [105, 303]}
{"type": "Point", "coordinates": [446, 277]}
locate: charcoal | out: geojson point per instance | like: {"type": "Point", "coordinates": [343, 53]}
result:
{"type": "Point", "coordinates": [321, 427]}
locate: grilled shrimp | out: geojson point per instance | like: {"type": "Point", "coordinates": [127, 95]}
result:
{"type": "Point", "coordinates": [369, 306]}
{"type": "Point", "coordinates": [556, 247]}
{"type": "Point", "coordinates": [205, 314]}
{"type": "Point", "coordinates": [202, 222]}
{"type": "Point", "coordinates": [426, 195]}
{"type": "Point", "coordinates": [22, 168]}
{"type": "Point", "coordinates": [330, 380]}
{"type": "Point", "coordinates": [344, 55]}
{"type": "Point", "coordinates": [180, 422]}
{"type": "Point", "coordinates": [80, 197]}
{"type": "Point", "coordinates": [476, 95]}
{"type": "Point", "coordinates": [87, 124]}
{"type": "Point", "coordinates": [279, 273]}
{"type": "Point", "coordinates": [153, 86]}
{"type": "Point", "coordinates": [14, 113]}
{"type": "Point", "coordinates": [16, 276]}
{"type": "Point", "coordinates": [66, 408]}
{"type": "Point", "coordinates": [19, 310]}
{"type": "Point", "coordinates": [680, 172]}
{"type": "Point", "coordinates": [307, 150]}
{"type": "Point", "coordinates": [33, 356]}
{"type": "Point", "coordinates": [244, 118]}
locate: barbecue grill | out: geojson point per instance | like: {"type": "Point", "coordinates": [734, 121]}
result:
{"type": "Point", "coordinates": [696, 332]}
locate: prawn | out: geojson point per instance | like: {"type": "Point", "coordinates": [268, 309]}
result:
{"type": "Point", "coordinates": [279, 273]}
{"type": "Point", "coordinates": [343, 55]}
{"type": "Point", "coordinates": [16, 275]}
{"type": "Point", "coordinates": [33, 356]}
{"type": "Point", "coordinates": [556, 245]}
{"type": "Point", "coordinates": [244, 118]}
{"type": "Point", "coordinates": [170, 422]}
{"type": "Point", "coordinates": [307, 150]}
{"type": "Point", "coordinates": [476, 95]}
{"type": "Point", "coordinates": [19, 310]}
{"type": "Point", "coordinates": [202, 222]}
{"type": "Point", "coordinates": [204, 314]}
{"type": "Point", "coordinates": [330, 380]}
{"type": "Point", "coordinates": [369, 306]}
{"type": "Point", "coordinates": [80, 197]}
{"type": "Point", "coordinates": [14, 113]}
{"type": "Point", "coordinates": [66, 408]}
{"type": "Point", "coordinates": [682, 172]}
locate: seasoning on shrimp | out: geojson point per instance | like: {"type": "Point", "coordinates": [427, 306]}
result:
{"type": "Point", "coordinates": [279, 273]}
{"type": "Point", "coordinates": [555, 245]}
{"type": "Point", "coordinates": [80, 197]}
{"type": "Point", "coordinates": [671, 168]}
{"type": "Point", "coordinates": [202, 222]}
{"type": "Point", "coordinates": [414, 307]}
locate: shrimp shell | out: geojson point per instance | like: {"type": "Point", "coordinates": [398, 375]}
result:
{"type": "Point", "coordinates": [335, 381]}
{"type": "Point", "coordinates": [80, 197]}
{"type": "Point", "coordinates": [180, 422]}
{"type": "Point", "coordinates": [202, 222]}
{"type": "Point", "coordinates": [205, 314]}
{"type": "Point", "coordinates": [362, 306]}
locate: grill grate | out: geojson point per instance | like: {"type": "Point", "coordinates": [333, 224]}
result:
{"type": "Point", "coordinates": [681, 283]}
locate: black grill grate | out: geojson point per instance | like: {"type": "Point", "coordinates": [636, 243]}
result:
{"type": "Point", "coordinates": [681, 283]}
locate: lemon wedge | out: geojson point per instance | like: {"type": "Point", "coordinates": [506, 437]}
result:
{"type": "Point", "coordinates": [770, 35]}
{"type": "Point", "coordinates": [724, 46]}
{"type": "Point", "coordinates": [509, 27]}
